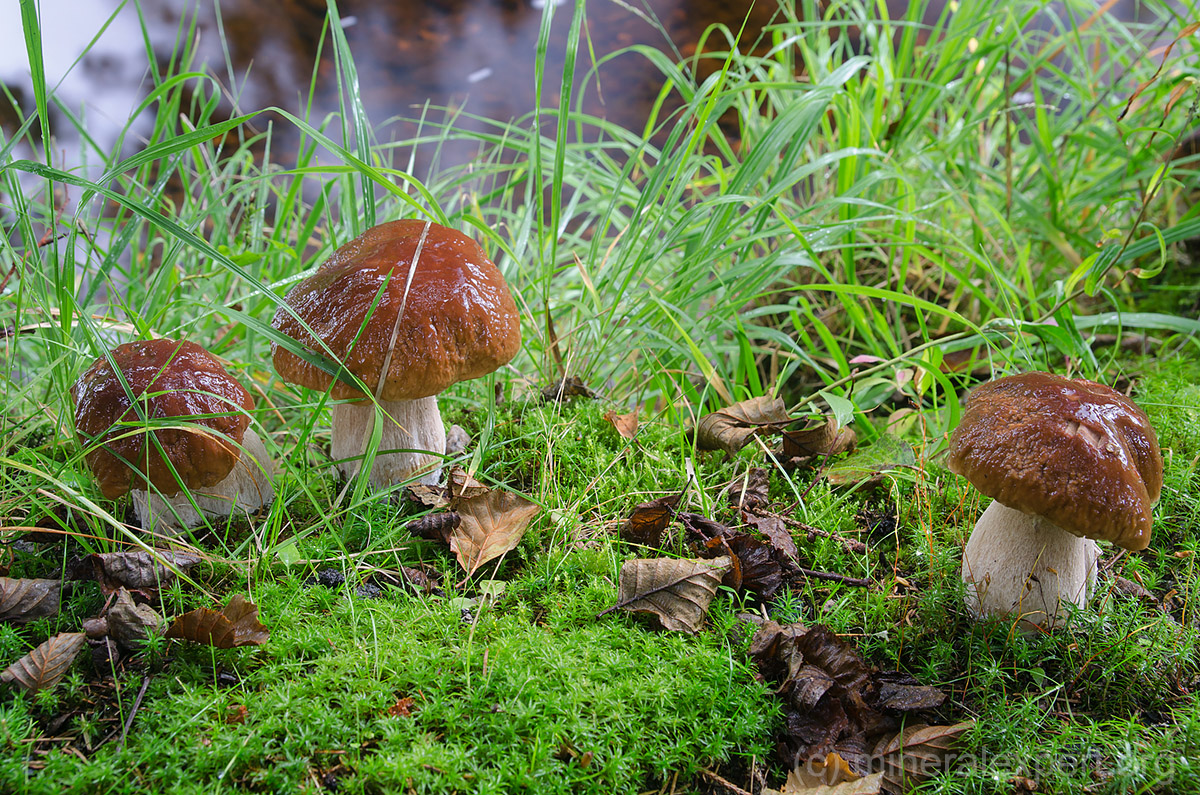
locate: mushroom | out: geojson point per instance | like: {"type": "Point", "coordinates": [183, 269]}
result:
{"type": "Point", "coordinates": [183, 391]}
{"type": "Point", "coordinates": [410, 308]}
{"type": "Point", "coordinates": [1066, 461]}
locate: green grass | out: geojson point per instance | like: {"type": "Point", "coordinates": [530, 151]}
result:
{"type": "Point", "coordinates": [796, 217]}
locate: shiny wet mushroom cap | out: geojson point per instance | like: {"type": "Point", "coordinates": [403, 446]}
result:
{"type": "Point", "coordinates": [443, 315]}
{"type": "Point", "coordinates": [1066, 461]}
{"type": "Point", "coordinates": [172, 380]}
{"type": "Point", "coordinates": [183, 392]}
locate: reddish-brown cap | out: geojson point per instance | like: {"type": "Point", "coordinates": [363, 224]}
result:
{"type": "Point", "coordinates": [1075, 452]}
{"type": "Point", "coordinates": [171, 380]}
{"type": "Point", "coordinates": [458, 319]}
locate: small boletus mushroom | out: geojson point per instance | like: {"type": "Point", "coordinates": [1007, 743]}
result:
{"type": "Point", "coordinates": [196, 412]}
{"type": "Point", "coordinates": [1066, 461]}
{"type": "Point", "coordinates": [410, 308]}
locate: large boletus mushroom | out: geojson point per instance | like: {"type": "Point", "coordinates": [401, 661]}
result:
{"type": "Point", "coordinates": [1066, 461]}
{"type": "Point", "coordinates": [410, 308]}
{"type": "Point", "coordinates": [197, 413]}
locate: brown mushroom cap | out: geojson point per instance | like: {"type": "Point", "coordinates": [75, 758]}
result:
{"type": "Point", "coordinates": [459, 319]}
{"type": "Point", "coordinates": [1075, 452]}
{"type": "Point", "coordinates": [184, 381]}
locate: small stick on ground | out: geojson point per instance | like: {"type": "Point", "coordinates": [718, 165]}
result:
{"type": "Point", "coordinates": [727, 784]}
{"type": "Point", "coordinates": [856, 582]}
{"type": "Point", "coordinates": [137, 703]}
{"type": "Point", "coordinates": [850, 544]}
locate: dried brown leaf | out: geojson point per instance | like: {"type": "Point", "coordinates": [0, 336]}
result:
{"type": "Point", "coordinates": [462, 485]}
{"type": "Point", "coordinates": [867, 785]}
{"type": "Point", "coordinates": [435, 526]}
{"type": "Point", "coordinates": [236, 625]}
{"type": "Point", "coordinates": [916, 754]}
{"type": "Point", "coordinates": [429, 496]}
{"type": "Point", "coordinates": [730, 429]}
{"type": "Point", "coordinates": [563, 388]}
{"type": "Point", "coordinates": [751, 491]}
{"type": "Point", "coordinates": [676, 592]}
{"type": "Point", "coordinates": [492, 524]}
{"type": "Point", "coordinates": [778, 536]}
{"type": "Point", "coordinates": [46, 664]}
{"type": "Point", "coordinates": [141, 570]}
{"type": "Point", "coordinates": [626, 424]}
{"type": "Point", "coordinates": [130, 624]}
{"type": "Point", "coordinates": [757, 565]}
{"type": "Point", "coordinates": [820, 437]}
{"type": "Point", "coordinates": [23, 600]}
{"type": "Point", "coordinates": [902, 692]}
{"type": "Point", "coordinates": [648, 521]}
{"type": "Point", "coordinates": [822, 775]}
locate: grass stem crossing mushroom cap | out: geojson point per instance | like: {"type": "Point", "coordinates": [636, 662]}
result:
{"type": "Point", "coordinates": [1077, 453]}
{"type": "Point", "coordinates": [452, 314]}
{"type": "Point", "coordinates": [172, 380]}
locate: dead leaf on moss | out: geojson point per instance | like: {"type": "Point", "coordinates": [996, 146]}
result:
{"type": "Point", "coordinates": [916, 754]}
{"type": "Point", "coordinates": [626, 424]}
{"type": "Point", "coordinates": [492, 524]}
{"type": "Point", "coordinates": [867, 785]}
{"type": "Point", "coordinates": [751, 491]}
{"type": "Point", "coordinates": [141, 570]}
{"type": "Point", "coordinates": [23, 600]}
{"type": "Point", "coordinates": [568, 387]}
{"type": "Point", "coordinates": [778, 536]}
{"type": "Point", "coordinates": [648, 521]}
{"type": "Point", "coordinates": [46, 664]}
{"type": "Point", "coordinates": [730, 429]}
{"type": "Point", "coordinates": [462, 485]}
{"type": "Point", "coordinates": [435, 526]}
{"type": "Point", "coordinates": [676, 592]}
{"type": "Point", "coordinates": [402, 708]}
{"type": "Point", "coordinates": [236, 625]}
{"type": "Point", "coordinates": [130, 624]}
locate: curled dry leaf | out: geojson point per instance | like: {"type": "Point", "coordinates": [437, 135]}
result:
{"type": "Point", "coordinates": [648, 521]}
{"type": "Point", "coordinates": [435, 526]}
{"type": "Point", "coordinates": [46, 664]}
{"type": "Point", "coordinates": [778, 536]}
{"type": "Point", "coordinates": [23, 600]}
{"type": "Point", "coordinates": [141, 570]}
{"type": "Point", "coordinates": [626, 424]}
{"type": "Point", "coordinates": [916, 754]}
{"type": "Point", "coordinates": [867, 785]}
{"type": "Point", "coordinates": [236, 625]}
{"type": "Point", "coordinates": [676, 592]}
{"type": "Point", "coordinates": [462, 485]}
{"type": "Point", "coordinates": [730, 429]}
{"type": "Point", "coordinates": [568, 387]}
{"type": "Point", "coordinates": [429, 496]}
{"type": "Point", "coordinates": [822, 437]}
{"type": "Point", "coordinates": [492, 524]}
{"type": "Point", "coordinates": [130, 624]}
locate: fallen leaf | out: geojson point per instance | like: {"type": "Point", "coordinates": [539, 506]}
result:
{"type": "Point", "coordinates": [236, 625]}
{"type": "Point", "coordinates": [756, 562]}
{"type": "Point", "coordinates": [46, 664]}
{"type": "Point", "coordinates": [626, 424]}
{"type": "Point", "coordinates": [23, 600]}
{"type": "Point", "coordinates": [429, 496]}
{"type": "Point", "coordinates": [676, 592]}
{"type": "Point", "coordinates": [730, 429]}
{"type": "Point", "coordinates": [236, 714]}
{"type": "Point", "coordinates": [648, 521]}
{"type": "Point", "coordinates": [702, 528]}
{"type": "Point", "coordinates": [139, 571]}
{"type": "Point", "coordinates": [867, 464]}
{"type": "Point", "coordinates": [435, 526]}
{"type": "Point", "coordinates": [822, 772]}
{"type": "Point", "coordinates": [751, 492]}
{"type": "Point", "coordinates": [867, 785]}
{"type": "Point", "coordinates": [916, 754]}
{"type": "Point", "coordinates": [130, 624]}
{"type": "Point", "coordinates": [819, 438]}
{"type": "Point", "coordinates": [775, 531]}
{"type": "Point", "coordinates": [492, 524]}
{"type": "Point", "coordinates": [462, 485]}
{"type": "Point", "coordinates": [902, 692]}
{"type": "Point", "coordinates": [563, 388]}
{"type": "Point", "coordinates": [402, 708]}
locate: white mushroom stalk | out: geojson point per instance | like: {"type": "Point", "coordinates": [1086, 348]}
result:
{"type": "Point", "coordinates": [411, 445]}
{"type": "Point", "coordinates": [1022, 565]}
{"type": "Point", "coordinates": [246, 489]}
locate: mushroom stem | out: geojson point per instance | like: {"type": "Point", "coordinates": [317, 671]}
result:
{"type": "Point", "coordinates": [411, 427]}
{"type": "Point", "coordinates": [1023, 565]}
{"type": "Point", "coordinates": [245, 489]}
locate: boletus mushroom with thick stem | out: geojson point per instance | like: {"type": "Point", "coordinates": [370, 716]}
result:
{"type": "Point", "coordinates": [410, 308]}
{"type": "Point", "coordinates": [188, 430]}
{"type": "Point", "coordinates": [1066, 461]}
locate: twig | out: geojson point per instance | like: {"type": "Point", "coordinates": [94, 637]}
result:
{"type": "Point", "coordinates": [831, 577]}
{"type": "Point", "coordinates": [851, 545]}
{"type": "Point", "coordinates": [726, 783]}
{"type": "Point", "coordinates": [137, 703]}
